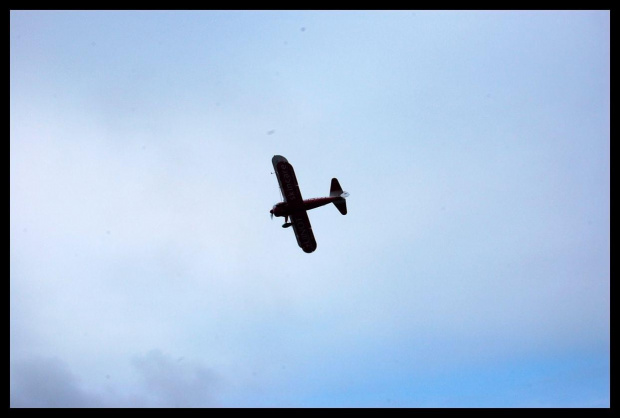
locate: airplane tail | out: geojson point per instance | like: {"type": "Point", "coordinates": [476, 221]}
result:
{"type": "Point", "coordinates": [336, 190]}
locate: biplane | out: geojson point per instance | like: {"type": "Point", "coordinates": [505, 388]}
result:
{"type": "Point", "coordinates": [296, 208]}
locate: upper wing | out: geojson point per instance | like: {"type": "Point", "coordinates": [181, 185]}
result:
{"type": "Point", "coordinates": [288, 181]}
{"type": "Point", "coordinates": [303, 231]}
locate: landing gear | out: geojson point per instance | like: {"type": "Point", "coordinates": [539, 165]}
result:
{"type": "Point", "coordinates": [286, 223]}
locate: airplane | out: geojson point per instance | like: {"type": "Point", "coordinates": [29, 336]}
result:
{"type": "Point", "coordinates": [295, 208]}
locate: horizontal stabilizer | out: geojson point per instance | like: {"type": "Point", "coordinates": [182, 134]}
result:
{"type": "Point", "coordinates": [341, 204]}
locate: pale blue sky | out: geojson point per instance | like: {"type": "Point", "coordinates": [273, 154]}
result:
{"type": "Point", "coordinates": [471, 270]}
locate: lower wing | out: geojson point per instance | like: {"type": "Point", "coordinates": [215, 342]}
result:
{"type": "Point", "coordinates": [303, 231]}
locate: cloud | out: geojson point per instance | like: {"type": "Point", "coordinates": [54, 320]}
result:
{"type": "Point", "coordinates": [171, 382]}
{"type": "Point", "coordinates": [42, 382]}
{"type": "Point", "coordinates": [164, 381]}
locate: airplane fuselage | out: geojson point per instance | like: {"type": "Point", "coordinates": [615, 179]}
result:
{"type": "Point", "coordinates": [283, 209]}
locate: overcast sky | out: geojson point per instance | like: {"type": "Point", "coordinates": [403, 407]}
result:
{"type": "Point", "coordinates": [471, 270]}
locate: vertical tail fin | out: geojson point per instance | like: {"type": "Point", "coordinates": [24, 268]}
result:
{"type": "Point", "coordinates": [336, 191]}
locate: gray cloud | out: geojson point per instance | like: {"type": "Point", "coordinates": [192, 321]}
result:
{"type": "Point", "coordinates": [47, 383]}
{"type": "Point", "coordinates": [165, 381]}
{"type": "Point", "coordinates": [174, 382]}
